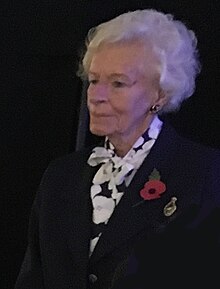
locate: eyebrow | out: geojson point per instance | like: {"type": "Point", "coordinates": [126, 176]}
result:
{"type": "Point", "coordinates": [112, 75]}
{"type": "Point", "coordinates": [119, 75]}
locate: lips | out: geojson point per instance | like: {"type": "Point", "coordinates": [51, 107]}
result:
{"type": "Point", "coordinates": [94, 114]}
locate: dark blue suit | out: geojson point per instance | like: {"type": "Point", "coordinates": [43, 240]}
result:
{"type": "Point", "coordinates": [142, 247]}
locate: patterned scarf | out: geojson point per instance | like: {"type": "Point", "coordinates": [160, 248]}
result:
{"type": "Point", "coordinates": [115, 173]}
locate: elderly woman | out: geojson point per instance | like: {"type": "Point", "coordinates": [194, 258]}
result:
{"type": "Point", "coordinates": [141, 210]}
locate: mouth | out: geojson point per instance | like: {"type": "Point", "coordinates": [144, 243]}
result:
{"type": "Point", "coordinates": [94, 114]}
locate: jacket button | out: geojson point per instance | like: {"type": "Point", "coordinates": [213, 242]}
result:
{"type": "Point", "coordinates": [92, 278]}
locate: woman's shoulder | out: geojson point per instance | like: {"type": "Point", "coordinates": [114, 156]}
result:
{"type": "Point", "coordinates": [186, 152]}
{"type": "Point", "coordinates": [199, 148]}
{"type": "Point", "coordinates": [69, 163]}
{"type": "Point", "coordinates": [190, 144]}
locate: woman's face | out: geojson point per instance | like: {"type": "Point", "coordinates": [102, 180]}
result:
{"type": "Point", "coordinates": [123, 85]}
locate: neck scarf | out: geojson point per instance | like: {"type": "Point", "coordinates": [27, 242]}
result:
{"type": "Point", "coordinates": [114, 173]}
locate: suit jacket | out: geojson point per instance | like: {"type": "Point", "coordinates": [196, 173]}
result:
{"type": "Point", "coordinates": [142, 246]}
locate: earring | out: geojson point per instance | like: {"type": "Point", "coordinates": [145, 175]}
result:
{"type": "Point", "coordinates": [155, 108]}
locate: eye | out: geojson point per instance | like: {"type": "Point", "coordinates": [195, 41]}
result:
{"type": "Point", "coordinates": [118, 84]}
{"type": "Point", "coordinates": [93, 81]}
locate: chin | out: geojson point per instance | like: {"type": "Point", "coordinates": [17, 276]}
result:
{"type": "Point", "coordinates": [98, 131]}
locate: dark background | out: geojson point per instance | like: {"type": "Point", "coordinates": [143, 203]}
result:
{"type": "Point", "coordinates": [40, 98]}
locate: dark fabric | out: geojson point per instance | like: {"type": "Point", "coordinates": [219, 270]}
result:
{"type": "Point", "coordinates": [141, 247]}
{"type": "Point", "coordinates": [97, 229]}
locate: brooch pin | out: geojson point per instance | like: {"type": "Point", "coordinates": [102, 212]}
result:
{"type": "Point", "coordinates": [170, 208]}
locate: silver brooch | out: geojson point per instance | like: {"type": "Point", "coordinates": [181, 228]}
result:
{"type": "Point", "coordinates": [170, 207]}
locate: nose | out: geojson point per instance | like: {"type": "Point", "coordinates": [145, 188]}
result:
{"type": "Point", "coordinates": [97, 93]}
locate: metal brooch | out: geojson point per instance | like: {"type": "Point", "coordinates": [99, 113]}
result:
{"type": "Point", "coordinates": [170, 208]}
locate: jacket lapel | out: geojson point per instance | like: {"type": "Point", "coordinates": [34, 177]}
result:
{"type": "Point", "coordinates": [79, 218]}
{"type": "Point", "coordinates": [129, 220]}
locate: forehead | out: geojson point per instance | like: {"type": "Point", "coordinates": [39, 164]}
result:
{"type": "Point", "coordinates": [124, 58]}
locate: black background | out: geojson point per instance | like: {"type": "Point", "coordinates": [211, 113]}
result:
{"type": "Point", "coordinates": [41, 96]}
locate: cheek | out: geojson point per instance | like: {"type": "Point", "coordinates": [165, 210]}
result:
{"type": "Point", "coordinates": [123, 106]}
{"type": "Point", "coordinates": [89, 93]}
{"type": "Point", "coordinates": [137, 104]}
{"type": "Point", "coordinates": [143, 103]}
{"type": "Point", "coordinates": [123, 114]}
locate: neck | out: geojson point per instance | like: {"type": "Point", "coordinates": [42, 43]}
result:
{"type": "Point", "coordinates": [124, 142]}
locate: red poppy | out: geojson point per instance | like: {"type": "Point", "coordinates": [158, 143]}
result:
{"type": "Point", "coordinates": [152, 190]}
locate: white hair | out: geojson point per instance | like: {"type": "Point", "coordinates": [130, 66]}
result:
{"type": "Point", "coordinates": [174, 43]}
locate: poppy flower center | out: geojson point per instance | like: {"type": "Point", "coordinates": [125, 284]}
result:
{"type": "Point", "coordinates": [152, 191]}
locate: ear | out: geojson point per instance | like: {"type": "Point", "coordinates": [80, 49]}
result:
{"type": "Point", "coordinates": [162, 98]}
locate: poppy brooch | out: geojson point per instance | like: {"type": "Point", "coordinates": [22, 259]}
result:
{"type": "Point", "coordinates": [153, 188]}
